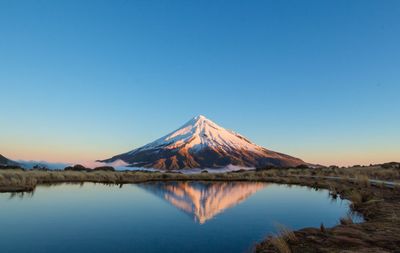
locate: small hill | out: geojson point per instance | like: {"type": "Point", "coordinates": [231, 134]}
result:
{"type": "Point", "coordinates": [7, 162]}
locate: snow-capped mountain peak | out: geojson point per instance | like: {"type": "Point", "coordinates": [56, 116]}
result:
{"type": "Point", "coordinates": [202, 143]}
{"type": "Point", "coordinates": [199, 133]}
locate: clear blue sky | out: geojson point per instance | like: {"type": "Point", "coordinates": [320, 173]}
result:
{"type": "Point", "coordinates": [84, 80]}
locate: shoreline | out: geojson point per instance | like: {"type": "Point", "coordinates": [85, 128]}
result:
{"type": "Point", "coordinates": [375, 201]}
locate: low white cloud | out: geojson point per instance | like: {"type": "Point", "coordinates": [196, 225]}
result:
{"type": "Point", "coordinates": [43, 164]}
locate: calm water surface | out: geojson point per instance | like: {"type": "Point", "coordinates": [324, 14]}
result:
{"type": "Point", "coordinates": [158, 217]}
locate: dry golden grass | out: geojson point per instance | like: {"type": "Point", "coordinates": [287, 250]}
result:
{"type": "Point", "coordinates": [361, 173]}
{"type": "Point", "coordinates": [346, 220]}
{"type": "Point", "coordinates": [28, 179]}
{"type": "Point", "coordinates": [363, 180]}
{"type": "Point", "coordinates": [280, 241]}
{"type": "Point", "coordinates": [332, 190]}
{"type": "Point", "coordinates": [285, 232]}
{"type": "Point", "coordinates": [355, 197]}
{"type": "Point", "coordinates": [280, 244]}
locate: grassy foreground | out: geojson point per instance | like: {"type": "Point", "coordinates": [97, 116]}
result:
{"type": "Point", "coordinates": [379, 204]}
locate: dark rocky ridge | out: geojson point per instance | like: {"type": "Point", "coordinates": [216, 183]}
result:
{"type": "Point", "coordinates": [7, 162]}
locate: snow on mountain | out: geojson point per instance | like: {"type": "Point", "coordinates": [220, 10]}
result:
{"type": "Point", "coordinates": [200, 143]}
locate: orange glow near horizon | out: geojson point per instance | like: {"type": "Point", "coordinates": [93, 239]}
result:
{"type": "Point", "coordinates": [80, 155]}
{"type": "Point", "coordinates": [51, 151]}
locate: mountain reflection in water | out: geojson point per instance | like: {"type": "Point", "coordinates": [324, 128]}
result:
{"type": "Point", "coordinates": [204, 200]}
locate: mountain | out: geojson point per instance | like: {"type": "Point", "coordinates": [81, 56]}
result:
{"type": "Point", "coordinates": [200, 143]}
{"type": "Point", "coordinates": [6, 161]}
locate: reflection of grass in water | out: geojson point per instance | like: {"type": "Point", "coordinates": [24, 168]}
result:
{"type": "Point", "coordinates": [21, 195]}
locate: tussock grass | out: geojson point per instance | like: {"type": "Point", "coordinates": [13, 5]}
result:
{"type": "Point", "coordinates": [280, 241]}
{"type": "Point", "coordinates": [346, 220]}
{"type": "Point", "coordinates": [359, 173]}
{"type": "Point", "coordinates": [285, 232]}
{"type": "Point", "coordinates": [280, 244]}
{"type": "Point", "coordinates": [363, 180]}
{"type": "Point", "coordinates": [332, 191]}
{"type": "Point", "coordinates": [355, 197]}
{"type": "Point", "coordinates": [17, 178]}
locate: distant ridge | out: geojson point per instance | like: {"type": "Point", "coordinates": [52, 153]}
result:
{"type": "Point", "coordinates": [200, 143]}
{"type": "Point", "coordinates": [7, 162]}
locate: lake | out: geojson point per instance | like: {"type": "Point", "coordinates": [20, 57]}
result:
{"type": "Point", "coordinates": [159, 217]}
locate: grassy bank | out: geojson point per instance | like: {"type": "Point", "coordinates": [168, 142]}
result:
{"type": "Point", "coordinates": [380, 232]}
{"type": "Point", "coordinates": [380, 205]}
{"type": "Point", "coordinates": [15, 179]}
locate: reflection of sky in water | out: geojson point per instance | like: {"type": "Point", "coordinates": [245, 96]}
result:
{"type": "Point", "coordinates": [153, 217]}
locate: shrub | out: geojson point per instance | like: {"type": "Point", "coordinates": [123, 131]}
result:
{"type": "Point", "coordinates": [165, 176]}
{"type": "Point", "coordinates": [302, 166]}
{"type": "Point", "coordinates": [390, 165]}
{"type": "Point", "coordinates": [76, 167]}
{"type": "Point", "coordinates": [104, 168]}
{"type": "Point", "coordinates": [268, 167]}
{"type": "Point", "coordinates": [10, 167]}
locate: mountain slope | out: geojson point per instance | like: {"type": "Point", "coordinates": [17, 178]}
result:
{"type": "Point", "coordinates": [6, 161]}
{"type": "Point", "coordinates": [200, 143]}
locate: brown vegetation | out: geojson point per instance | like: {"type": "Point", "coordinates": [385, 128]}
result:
{"type": "Point", "coordinates": [380, 206]}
